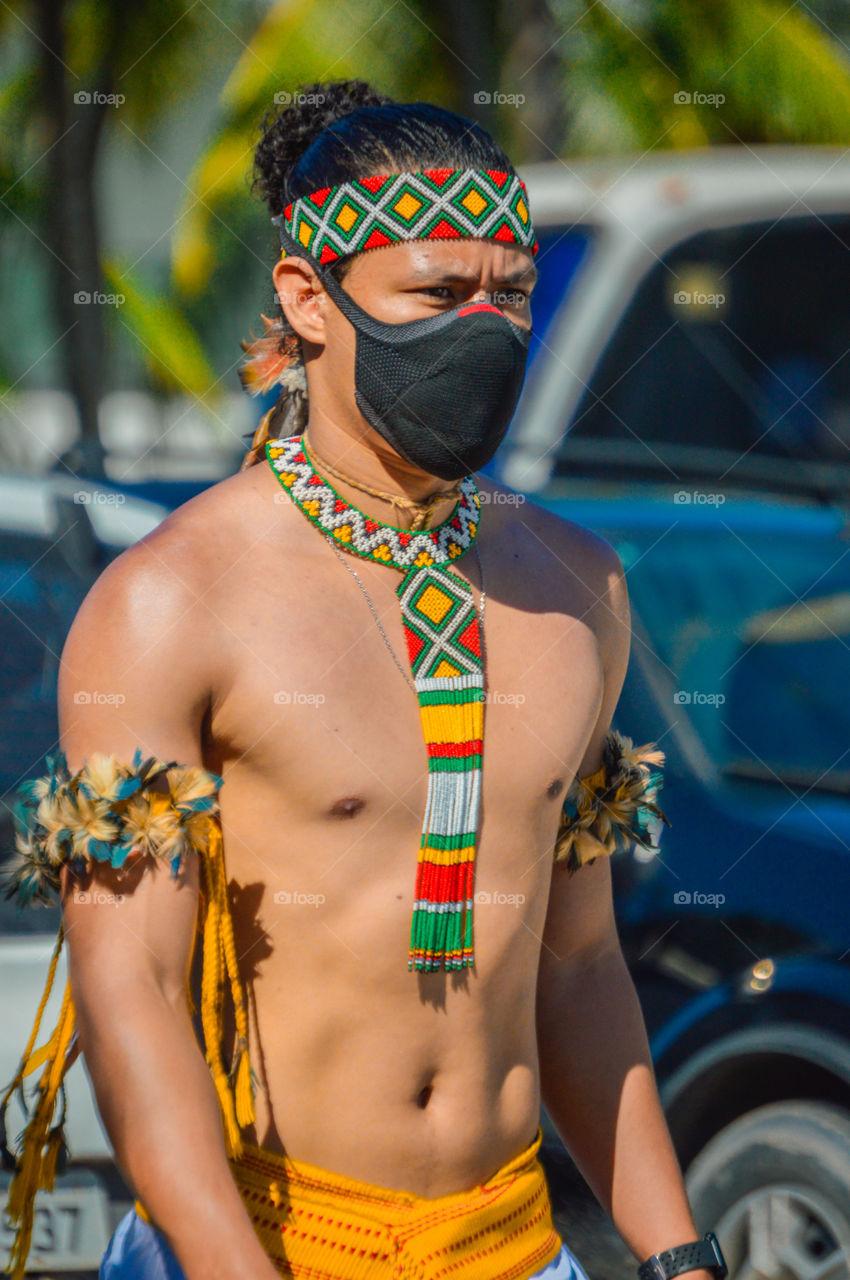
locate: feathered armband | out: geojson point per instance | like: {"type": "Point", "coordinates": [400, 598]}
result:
{"type": "Point", "coordinates": [610, 810]}
{"type": "Point", "coordinates": [111, 812]}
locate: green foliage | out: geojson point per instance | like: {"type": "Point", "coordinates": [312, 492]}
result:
{"type": "Point", "coordinates": [782, 78]}
{"type": "Point", "coordinates": [298, 42]}
{"type": "Point", "coordinates": [169, 345]}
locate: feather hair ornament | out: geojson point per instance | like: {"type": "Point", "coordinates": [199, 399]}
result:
{"type": "Point", "coordinates": [274, 359]}
{"type": "Point", "coordinates": [111, 812]}
{"type": "Point", "coordinates": [609, 810]}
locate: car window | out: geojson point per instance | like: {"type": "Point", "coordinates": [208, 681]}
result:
{"type": "Point", "coordinates": [737, 339]}
{"type": "Point", "coordinates": [754, 630]}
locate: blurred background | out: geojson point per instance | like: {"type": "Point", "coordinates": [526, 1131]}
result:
{"type": "Point", "coordinates": [687, 396]}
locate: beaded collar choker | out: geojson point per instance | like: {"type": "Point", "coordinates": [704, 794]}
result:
{"type": "Point", "coordinates": [367, 537]}
{"type": "Point", "coordinates": [443, 642]}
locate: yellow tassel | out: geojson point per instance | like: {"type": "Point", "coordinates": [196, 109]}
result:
{"type": "Point", "coordinates": [232, 1136]}
{"type": "Point", "coordinates": [36, 1169]}
{"type": "Point", "coordinates": [26, 1066]}
{"type": "Point", "coordinates": [244, 1092]}
{"type": "Point", "coordinates": [55, 1142]}
{"type": "Point", "coordinates": [219, 958]}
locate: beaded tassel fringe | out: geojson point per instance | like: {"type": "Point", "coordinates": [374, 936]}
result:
{"type": "Point", "coordinates": [444, 647]}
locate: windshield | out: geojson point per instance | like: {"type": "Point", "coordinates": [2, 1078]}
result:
{"type": "Point", "coordinates": [737, 340]}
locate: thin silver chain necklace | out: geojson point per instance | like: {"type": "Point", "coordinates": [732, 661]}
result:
{"type": "Point", "coordinates": [362, 586]}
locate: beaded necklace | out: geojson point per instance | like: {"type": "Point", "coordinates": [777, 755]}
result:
{"type": "Point", "coordinates": [443, 641]}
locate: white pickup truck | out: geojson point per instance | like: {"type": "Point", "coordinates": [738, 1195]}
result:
{"type": "Point", "coordinates": [691, 320]}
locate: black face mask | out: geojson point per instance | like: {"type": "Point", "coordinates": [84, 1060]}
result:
{"type": "Point", "coordinates": [440, 390]}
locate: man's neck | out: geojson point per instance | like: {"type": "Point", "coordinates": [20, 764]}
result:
{"type": "Point", "coordinates": [378, 466]}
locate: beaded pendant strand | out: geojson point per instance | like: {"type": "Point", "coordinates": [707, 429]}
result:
{"type": "Point", "coordinates": [444, 649]}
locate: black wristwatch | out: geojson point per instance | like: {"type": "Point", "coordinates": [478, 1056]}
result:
{"type": "Point", "coordinates": [685, 1257]}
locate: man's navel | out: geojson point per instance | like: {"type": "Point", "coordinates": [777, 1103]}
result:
{"type": "Point", "coordinates": [424, 1095]}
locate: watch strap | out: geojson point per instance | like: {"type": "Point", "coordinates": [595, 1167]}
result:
{"type": "Point", "coordinates": [692, 1256]}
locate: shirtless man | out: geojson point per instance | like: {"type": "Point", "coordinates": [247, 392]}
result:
{"type": "Point", "coordinates": [238, 641]}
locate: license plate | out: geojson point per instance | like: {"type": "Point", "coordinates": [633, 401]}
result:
{"type": "Point", "coordinates": [70, 1229]}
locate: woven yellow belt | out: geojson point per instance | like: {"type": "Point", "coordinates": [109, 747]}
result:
{"type": "Point", "coordinates": [327, 1226]}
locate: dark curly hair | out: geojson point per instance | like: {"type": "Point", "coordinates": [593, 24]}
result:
{"type": "Point", "coordinates": [329, 132]}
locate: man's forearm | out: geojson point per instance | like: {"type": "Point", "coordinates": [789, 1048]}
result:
{"type": "Point", "coordinates": [598, 1086]}
{"type": "Point", "coordinates": [161, 1112]}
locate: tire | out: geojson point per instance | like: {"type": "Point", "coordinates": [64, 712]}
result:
{"type": "Point", "coordinates": [774, 1186]}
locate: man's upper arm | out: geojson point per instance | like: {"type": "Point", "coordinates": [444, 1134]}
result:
{"type": "Point", "coordinates": [580, 918]}
{"type": "Point", "coordinates": [132, 675]}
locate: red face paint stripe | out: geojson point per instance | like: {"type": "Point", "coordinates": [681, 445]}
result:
{"type": "Point", "coordinates": [478, 306]}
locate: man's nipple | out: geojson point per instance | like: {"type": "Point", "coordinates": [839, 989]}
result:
{"type": "Point", "coordinates": [347, 806]}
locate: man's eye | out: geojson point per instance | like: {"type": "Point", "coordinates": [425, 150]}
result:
{"type": "Point", "coordinates": [500, 298]}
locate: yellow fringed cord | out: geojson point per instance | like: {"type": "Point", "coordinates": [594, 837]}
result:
{"type": "Point", "coordinates": [41, 1144]}
{"type": "Point", "coordinates": [243, 1092]}
{"type": "Point", "coordinates": [25, 1065]}
{"type": "Point", "coordinates": [219, 958]}
{"type": "Point", "coordinates": [37, 1169]}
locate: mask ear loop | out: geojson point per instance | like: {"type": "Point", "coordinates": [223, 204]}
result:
{"type": "Point", "coordinates": [343, 300]}
{"type": "Point", "coordinates": [352, 310]}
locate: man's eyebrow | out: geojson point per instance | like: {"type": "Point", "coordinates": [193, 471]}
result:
{"type": "Point", "coordinates": [424, 271]}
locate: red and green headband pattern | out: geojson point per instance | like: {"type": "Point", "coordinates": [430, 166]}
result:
{"type": "Point", "coordinates": [432, 204]}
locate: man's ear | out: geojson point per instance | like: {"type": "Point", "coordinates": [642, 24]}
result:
{"type": "Point", "coordinates": [299, 290]}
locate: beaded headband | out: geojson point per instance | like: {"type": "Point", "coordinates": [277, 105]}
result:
{"type": "Point", "coordinates": [431, 204]}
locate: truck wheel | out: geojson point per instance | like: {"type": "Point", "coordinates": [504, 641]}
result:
{"type": "Point", "coordinates": [774, 1186]}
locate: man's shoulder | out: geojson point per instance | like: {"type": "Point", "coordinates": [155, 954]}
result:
{"type": "Point", "coordinates": [573, 569]}
{"type": "Point", "coordinates": [581, 551]}
{"type": "Point", "coordinates": [195, 536]}
{"type": "Point", "coordinates": [168, 576]}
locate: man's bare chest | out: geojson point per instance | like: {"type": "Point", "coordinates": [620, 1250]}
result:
{"type": "Point", "coordinates": [318, 697]}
